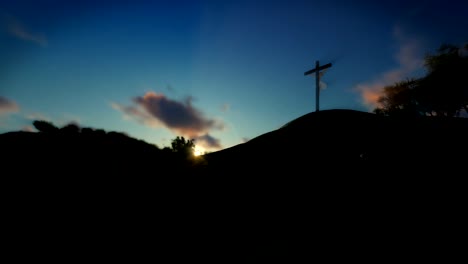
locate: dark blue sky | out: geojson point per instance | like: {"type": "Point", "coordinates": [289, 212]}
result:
{"type": "Point", "coordinates": [218, 71]}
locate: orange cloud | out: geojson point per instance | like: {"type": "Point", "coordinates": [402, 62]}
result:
{"type": "Point", "coordinates": [371, 96]}
{"type": "Point", "coordinates": [409, 59]}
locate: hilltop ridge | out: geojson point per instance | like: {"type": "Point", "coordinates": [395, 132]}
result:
{"type": "Point", "coordinates": [352, 138]}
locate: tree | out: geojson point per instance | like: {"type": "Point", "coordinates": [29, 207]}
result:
{"type": "Point", "coordinates": [443, 91]}
{"type": "Point", "coordinates": [44, 126]}
{"type": "Point", "coordinates": [182, 146]}
{"type": "Point", "coordinates": [399, 99]}
{"type": "Point", "coordinates": [71, 128]}
{"type": "Point", "coordinates": [445, 87]}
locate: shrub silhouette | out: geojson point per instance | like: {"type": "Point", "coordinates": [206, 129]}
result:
{"type": "Point", "coordinates": [87, 131]}
{"type": "Point", "coordinates": [71, 128]}
{"type": "Point", "coordinates": [182, 146]}
{"type": "Point", "coordinates": [44, 126]}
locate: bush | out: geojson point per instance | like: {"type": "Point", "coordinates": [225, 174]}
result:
{"type": "Point", "coordinates": [45, 127]}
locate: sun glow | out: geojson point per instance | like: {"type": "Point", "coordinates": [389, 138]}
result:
{"type": "Point", "coordinates": [198, 151]}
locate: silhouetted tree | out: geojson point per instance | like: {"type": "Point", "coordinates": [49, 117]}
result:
{"type": "Point", "coordinates": [167, 150]}
{"type": "Point", "coordinates": [87, 131]}
{"type": "Point", "coordinates": [445, 88]}
{"type": "Point", "coordinates": [44, 126]}
{"type": "Point", "coordinates": [118, 135]}
{"type": "Point", "coordinates": [182, 146]}
{"type": "Point", "coordinates": [442, 92]}
{"type": "Point", "coordinates": [399, 99]}
{"type": "Point", "coordinates": [71, 128]}
{"type": "Point", "coordinates": [99, 132]}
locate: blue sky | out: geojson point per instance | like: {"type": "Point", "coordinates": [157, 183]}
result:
{"type": "Point", "coordinates": [221, 72]}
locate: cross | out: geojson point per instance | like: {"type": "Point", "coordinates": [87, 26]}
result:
{"type": "Point", "coordinates": [317, 69]}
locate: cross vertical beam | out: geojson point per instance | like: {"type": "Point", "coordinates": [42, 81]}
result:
{"type": "Point", "coordinates": [317, 86]}
{"type": "Point", "coordinates": [317, 70]}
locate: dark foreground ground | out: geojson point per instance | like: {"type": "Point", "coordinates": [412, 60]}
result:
{"type": "Point", "coordinates": [333, 186]}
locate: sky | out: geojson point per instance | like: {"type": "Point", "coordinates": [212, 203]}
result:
{"type": "Point", "coordinates": [218, 72]}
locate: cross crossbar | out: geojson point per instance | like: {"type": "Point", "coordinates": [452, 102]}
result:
{"type": "Point", "coordinates": [323, 67]}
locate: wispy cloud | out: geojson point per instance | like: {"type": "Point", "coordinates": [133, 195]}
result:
{"type": "Point", "coordinates": [137, 114]}
{"type": "Point", "coordinates": [17, 29]}
{"type": "Point", "coordinates": [208, 142]}
{"type": "Point", "coordinates": [7, 106]}
{"type": "Point", "coordinates": [38, 116]}
{"type": "Point", "coordinates": [409, 60]}
{"type": "Point", "coordinates": [323, 85]}
{"type": "Point", "coordinates": [28, 129]}
{"type": "Point", "coordinates": [180, 117]}
{"type": "Point", "coordinates": [225, 107]}
{"type": "Point", "coordinates": [245, 139]}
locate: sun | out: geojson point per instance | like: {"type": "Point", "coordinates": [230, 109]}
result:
{"type": "Point", "coordinates": [198, 151]}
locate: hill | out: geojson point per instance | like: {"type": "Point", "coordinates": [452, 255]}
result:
{"type": "Point", "coordinates": [336, 184]}
{"type": "Point", "coordinates": [317, 147]}
{"type": "Point", "coordinates": [348, 142]}
{"type": "Point", "coordinates": [75, 152]}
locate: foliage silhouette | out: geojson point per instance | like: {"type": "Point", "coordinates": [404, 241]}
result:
{"type": "Point", "coordinates": [184, 158]}
{"type": "Point", "coordinates": [442, 92]}
{"type": "Point", "coordinates": [182, 146]}
{"type": "Point", "coordinates": [399, 99]}
{"type": "Point", "coordinates": [95, 151]}
{"type": "Point", "coordinates": [87, 131]}
{"type": "Point", "coordinates": [45, 126]}
{"type": "Point", "coordinates": [71, 128]}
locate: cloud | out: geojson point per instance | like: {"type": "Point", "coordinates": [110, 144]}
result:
{"type": "Point", "coordinates": [225, 108]}
{"type": "Point", "coordinates": [7, 106]}
{"type": "Point", "coordinates": [409, 61]}
{"type": "Point", "coordinates": [208, 142]}
{"type": "Point", "coordinates": [17, 29]}
{"type": "Point", "coordinates": [181, 117]}
{"type": "Point", "coordinates": [38, 116]}
{"type": "Point", "coordinates": [170, 88]}
{"type": "Point", "coordinates": [135, 113]}
{"type": "Point", "coordinates": [322, 85]}
{"type": "Point", "coordinates": [28, 129]}
{"type": "Point", "coordinates": [244, 139]}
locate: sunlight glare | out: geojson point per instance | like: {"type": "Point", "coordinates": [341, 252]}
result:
{"type": "Point", "coordinates": [198, 151]}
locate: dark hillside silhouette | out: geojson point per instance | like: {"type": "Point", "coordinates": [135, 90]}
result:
{"type": "Point", "coordinates": [85, 153]}
{"type": "Point", "coordinates": [348, 142]}
{"type": "Point", "coordinates": [317, 147]}
{"type": "Point", "coordinates": [336, 177]}
{"type": "Point", "coordinates": [347, 175]}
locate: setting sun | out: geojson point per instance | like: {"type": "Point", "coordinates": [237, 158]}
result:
{"type": "Point", "coordinates": [198, 151]}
